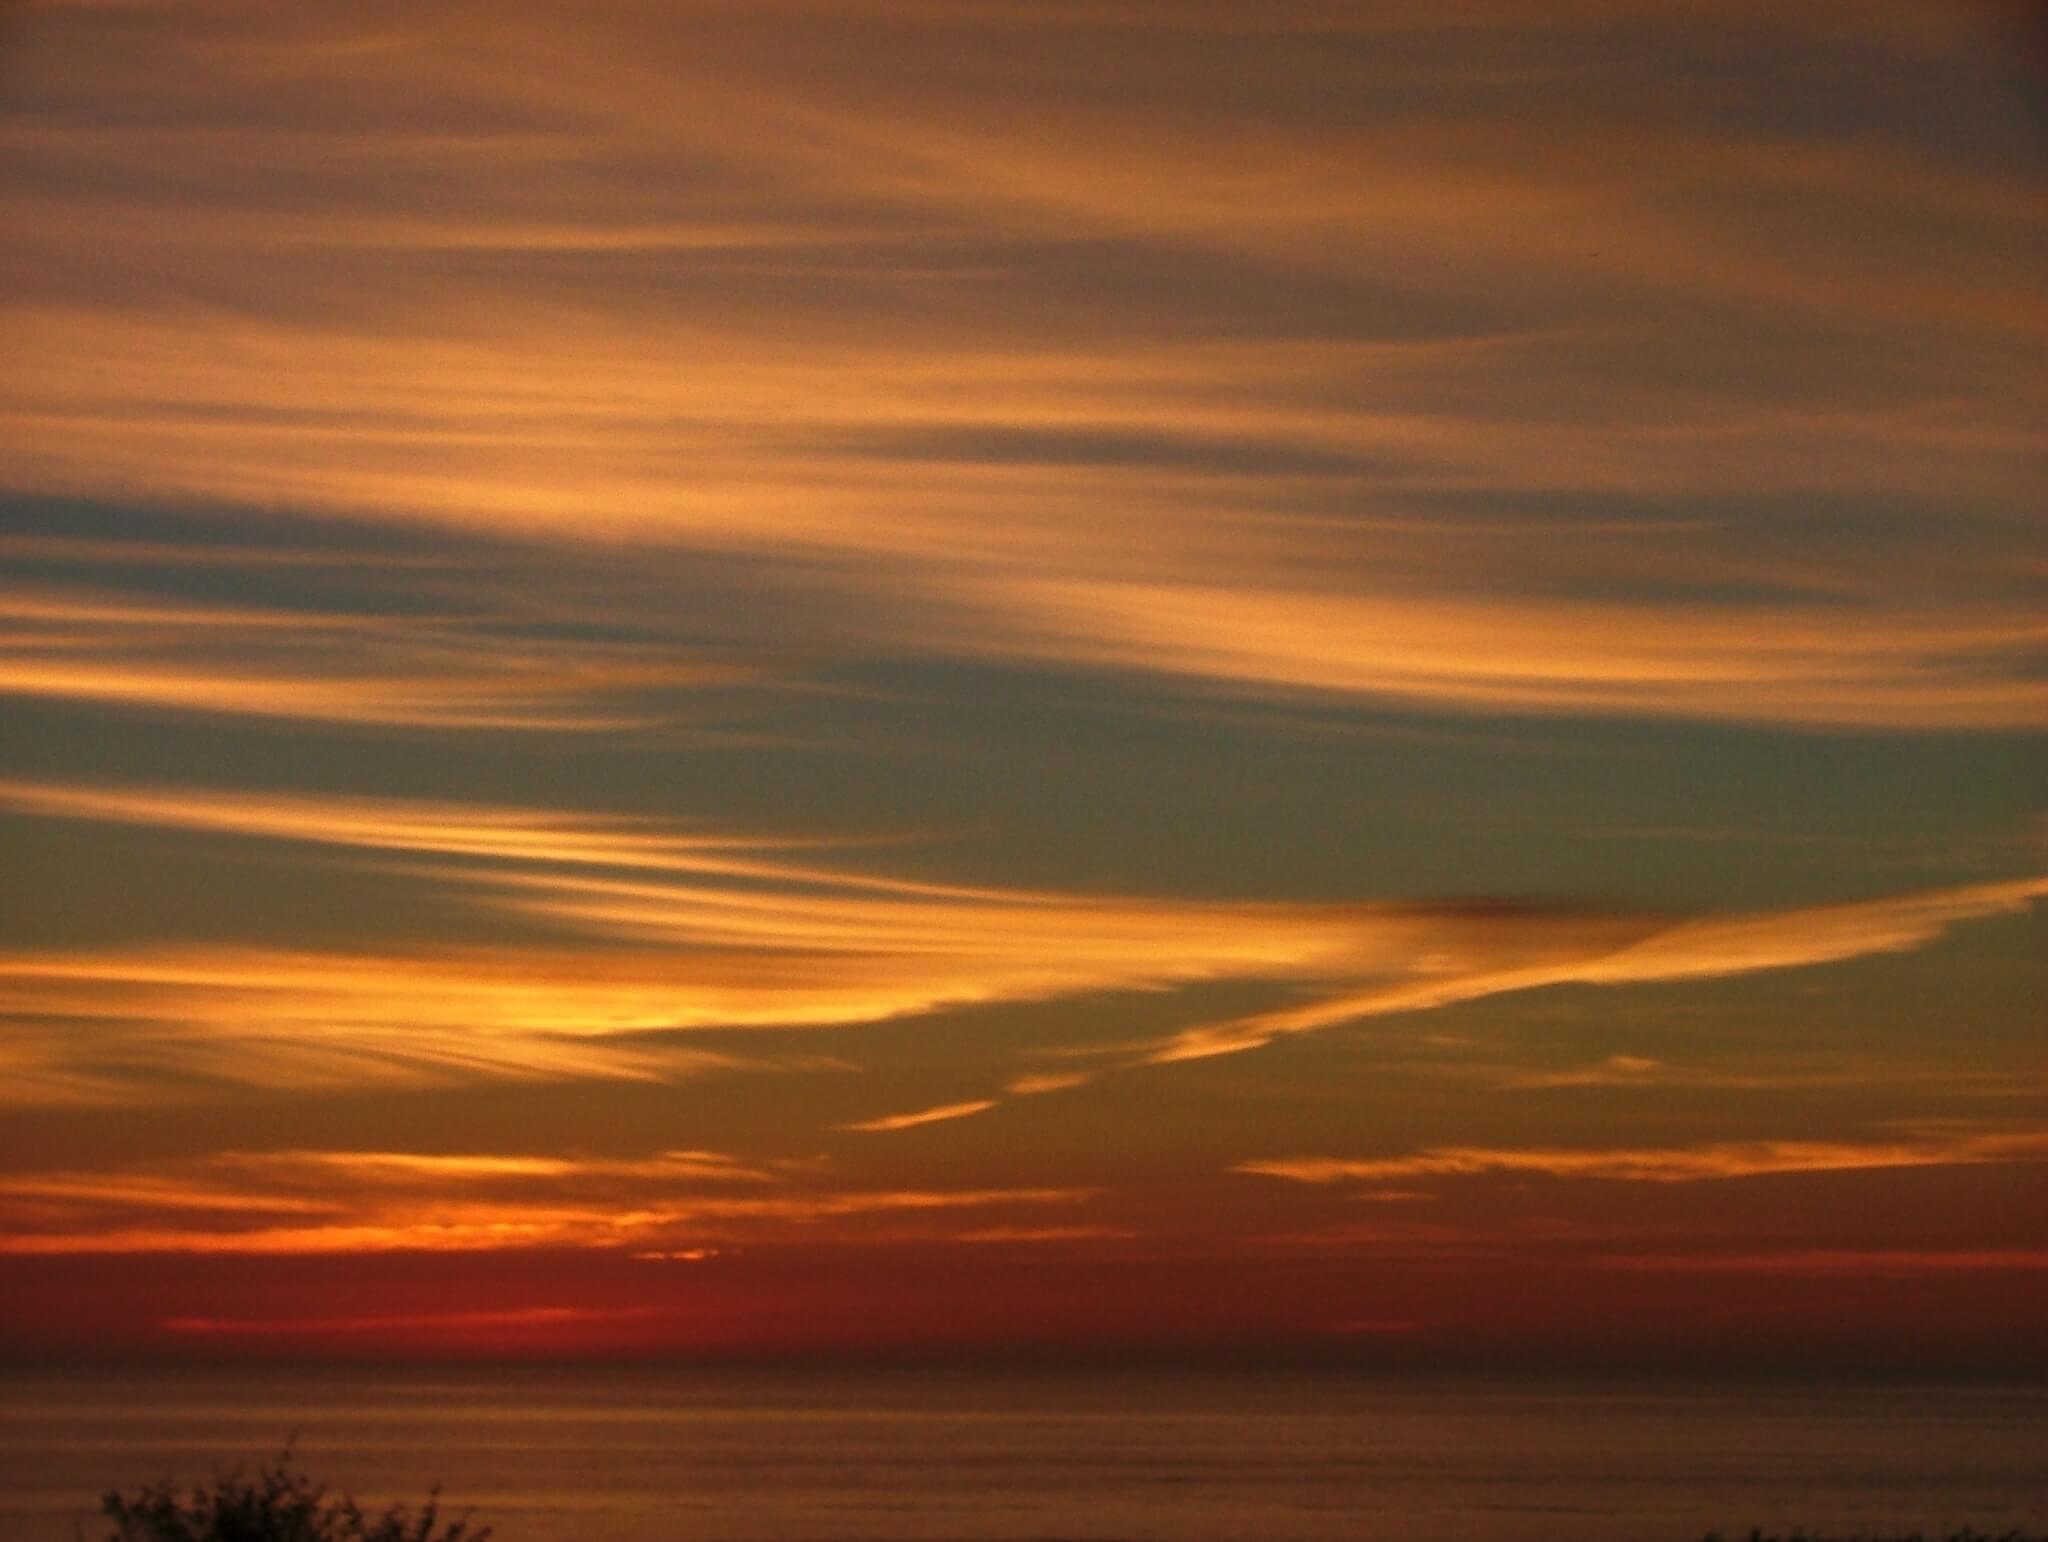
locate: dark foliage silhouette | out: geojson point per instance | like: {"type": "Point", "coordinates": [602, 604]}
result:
{"type": "Point", "coordinates": [277, 1504]}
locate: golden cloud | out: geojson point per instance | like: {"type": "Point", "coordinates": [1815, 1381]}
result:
{"type": "Point", "coordinates": [1181, 478]}
{"type": "Point", "coordinates": [923, 1116]}
{"type": "Point", "coordinates": [1668, 1164]}
{"type": "Point", "coordinates": [316, 1201]}
{"type": "Point", "coordinates": [325, 667]}
{"type": "Point", "coordinates": [730, 931]}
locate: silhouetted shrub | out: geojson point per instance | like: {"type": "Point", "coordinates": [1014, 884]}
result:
{"type": "Point", "coordinates": [278, 1504]}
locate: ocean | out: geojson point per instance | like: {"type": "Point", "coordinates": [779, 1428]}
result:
{"type": "Point", "coordinates": [607, 1455]}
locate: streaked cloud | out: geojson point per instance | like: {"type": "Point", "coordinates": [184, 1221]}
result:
{"type": "Point", "coordinates": [540, 838]}
{"type": "Point", "coordinates": [1703, 947]}
{"type": "Point", "coordinates": [1263, 388]}
{"type": "Point", "coordinates": [558, 555]}
{"type": "Point", "coordinates": [727, 930]}
{"type": "Point", "coordinates": [415, 1168]}
{"type": "Point", "coordinates": [513, 1318]}
{"type": "Point", "coordinates": [1488, 655]}
{"type": "Point", "coordinates": [282, 1020]}
{"type": "Point", "coordinates": [1047, 1234]}
{"type": "Point", "coordinates": [1614, 1071]}
{"type": "Point", "coordinates": [1842, 1261]}
{"type": "Point", "coordinates": [316, 1201]}
{"type": "Point", "coordinates": [1758, 1073]}
{"type": "Point", "coordinates": [923, 1116]}
{"type": "Point", "coordinates": [1032, 1083]}
{"type": "Point", "coordinates": [1674, 1164]}
{"type": "Point", "coordinates": [365, 670]}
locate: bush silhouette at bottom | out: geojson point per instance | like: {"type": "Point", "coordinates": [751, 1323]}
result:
{"type": "Point", "coordinates": [277, 1504]}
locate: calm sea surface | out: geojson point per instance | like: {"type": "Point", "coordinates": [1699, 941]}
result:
{"type": "Point", "coordinates": [606, 1456]}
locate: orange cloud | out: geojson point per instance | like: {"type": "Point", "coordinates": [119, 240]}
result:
{"type": "Point", "coordinates": [1614, 1071]}
{"type": "Point", "coordinates": [315, 1201]}
{"type": "Point", "coordinates": [1703, 947]}
{"type": "Point", "coordinates": [1031, 1084]}
{"type": "Point", "coordinates": [1492, 654]}
{"type": "Point", "coordinates": [517, 1317]}
{"type": "Point", "coordinates": [730, 931]}
{"type": "Point", "coordinates": [1672, 1164]}
{"type": "Point", "coordinates": [1753, 1074]}
{"type": "Point", "coordinates": [323, 667]}
{"type": "Point", "coordinates": [1826, 1261]}
{"type": "Point", "coordinates": [282, 1019]}
{"type": "Point", "coordinates": [538, 837]}
{"type": "Point", "coordinates": [414, 1167]}
{"type": "Point", "coordinates": [923, 1116]}
{"type": "Point", "coordinates": [1172, 477]}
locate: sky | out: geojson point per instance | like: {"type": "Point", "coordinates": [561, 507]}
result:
{"type": "Point", "coordinates": [1058, 677]}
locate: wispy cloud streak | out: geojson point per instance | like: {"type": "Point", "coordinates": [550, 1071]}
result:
{"type": "Point", "coordinates": [438, 1323]}
{"type": "Point", "coordinates": [1838, 1261]}
{"type": "Point", "coordinates": [665, 929]}
{"type": "Point", "coordinates": [314, 1201]}
{"type": "Point", "coordinates": [309, 665]}
{"type": "Point", "coordinates": [1673, 1164]}
{"type": "Point", "coordinates": [1257, 435]}
{"type": "Point", "coordinates": [1698, 948]}
{"type": "Point", "coordinates": [923, 1116]}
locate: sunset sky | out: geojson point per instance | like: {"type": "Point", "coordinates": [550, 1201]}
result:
{"type": "Point", "coordinates": [1068, 676]}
